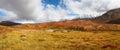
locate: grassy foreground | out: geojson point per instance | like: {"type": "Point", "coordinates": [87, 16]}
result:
{"type": "Point", "coordinates": [29, 39]}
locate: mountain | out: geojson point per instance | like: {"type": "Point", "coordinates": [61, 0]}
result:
{"type": "Point", "coordinates": [110, 17]}
{"type": "Point", "coordinates": [8, 23]}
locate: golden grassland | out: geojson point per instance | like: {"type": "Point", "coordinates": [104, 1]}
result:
{"type": "Point", "coordinates": [40, 39]}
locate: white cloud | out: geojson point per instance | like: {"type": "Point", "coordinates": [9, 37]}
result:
{"type": "Point", "coordinates": [9, 15]}
{"type": "Point", "coordinates": [91, 7]}
{"type": "Point", "coordinates": [24, 22]}
{"type": "Point", "coordinates": [55, 14]}
{"type": "Point", "coordinates": [34, 9]}
{"type": "Point", "coordinates": [25, 9]}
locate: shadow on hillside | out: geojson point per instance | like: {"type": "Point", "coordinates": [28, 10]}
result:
{"type": "Point", "coordinates": [9, 23]}
{"type": "Point", "coordinates": [114, 22]}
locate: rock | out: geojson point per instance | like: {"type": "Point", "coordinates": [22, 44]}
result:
{"type": "Point", "coordinates": [50, 30]}
{"type": "Point", "coordinates": [23, 36]}
{"type": "Point", "coordinates": [65, 31]}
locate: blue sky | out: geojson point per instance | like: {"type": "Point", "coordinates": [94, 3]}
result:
{"type": "Point", "coordinates": [57, 3]}
{"type": "Point", "coordinates": [2, 14]}
{"type": "Point", "coordinates": [53, 2]}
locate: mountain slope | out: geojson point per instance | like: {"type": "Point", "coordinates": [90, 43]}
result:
{"type": "Point", "coordinates": [110, 17]}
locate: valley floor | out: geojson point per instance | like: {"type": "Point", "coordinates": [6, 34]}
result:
{"type": "Point", "coordinates": [25, 39]}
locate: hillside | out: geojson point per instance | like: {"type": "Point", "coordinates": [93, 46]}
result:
{"type": "Point", "coordinates": [110, 17]}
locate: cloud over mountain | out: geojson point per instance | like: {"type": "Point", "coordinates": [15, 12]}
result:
{"type": "Point", "coordinates": [35, 9]}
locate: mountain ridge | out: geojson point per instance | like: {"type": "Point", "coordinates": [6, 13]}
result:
{"type": "Point", "coordinates": [110, 17]}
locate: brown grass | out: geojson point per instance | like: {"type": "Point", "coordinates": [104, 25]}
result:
{"type": "Point", "coordinates": [74, 40]}
{"type": "Point", "coordinates": [74, 25]}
